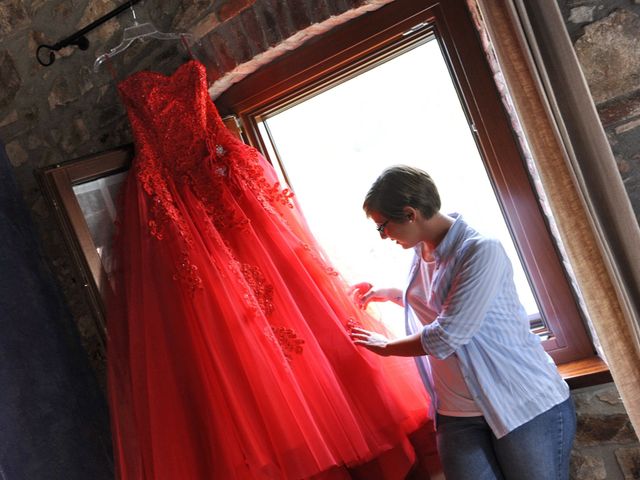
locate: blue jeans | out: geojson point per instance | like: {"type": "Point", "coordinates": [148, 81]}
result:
{"type": "Point", "coordinates": [537, 450]}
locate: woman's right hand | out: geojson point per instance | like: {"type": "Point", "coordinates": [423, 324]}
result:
{"type": "Point", "coordinates": [363, 293]}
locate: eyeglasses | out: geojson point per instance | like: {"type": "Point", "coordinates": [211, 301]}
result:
{"type": "Point", "coordinates": [380, 228]}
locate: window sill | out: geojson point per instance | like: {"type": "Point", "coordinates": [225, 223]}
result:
{"type": "Point", "coordinates": [586, 372]}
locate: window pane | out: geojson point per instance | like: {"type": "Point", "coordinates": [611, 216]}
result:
{"type": "Point", "coordinates": [334, 145]}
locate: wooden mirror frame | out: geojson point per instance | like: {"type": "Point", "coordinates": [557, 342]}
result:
{"type": "Point", "coordinates": [57, 184]}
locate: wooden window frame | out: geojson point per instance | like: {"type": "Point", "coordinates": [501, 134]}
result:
{"type": "Point", "coordinates": [379, 35]}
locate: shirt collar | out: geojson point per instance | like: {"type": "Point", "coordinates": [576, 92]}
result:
{"type": "Point", "coordinates": [451, 239]}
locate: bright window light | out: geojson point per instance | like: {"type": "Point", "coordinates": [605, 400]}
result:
{"type": "Point", "coordinates": [335, 144]}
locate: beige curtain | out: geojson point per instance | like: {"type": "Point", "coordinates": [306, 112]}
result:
{"type": "Point", "coordinates": [578, 173]}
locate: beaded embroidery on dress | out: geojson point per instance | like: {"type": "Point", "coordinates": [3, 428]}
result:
{"type": "Point", "coordinates": [229, 355]}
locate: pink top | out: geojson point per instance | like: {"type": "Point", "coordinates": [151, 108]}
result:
{"type": "Point", "coordinates": [453, 396]}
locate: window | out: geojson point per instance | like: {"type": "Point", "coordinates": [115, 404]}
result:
{"type": "Point", "coordinates": [270, 103]}
{"type": "Point", "coordinates": [320, 152]}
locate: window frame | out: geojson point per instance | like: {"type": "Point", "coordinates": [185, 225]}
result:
{"type": "Point", "coordinates": [376, 36]}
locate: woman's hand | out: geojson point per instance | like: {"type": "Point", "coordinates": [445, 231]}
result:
{"type": "Point", "coordinates": [363, 293]}
{"type": "Point", "coordinates": [410, 346]}
{"type": "Point", "coordinates": [373, 341]}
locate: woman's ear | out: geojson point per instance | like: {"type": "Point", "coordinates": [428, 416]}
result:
{"type": "Point", "coordinates": [409, 213]}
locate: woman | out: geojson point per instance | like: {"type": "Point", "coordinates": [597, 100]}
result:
{"type": "Point", "coordinates": [503, 409]}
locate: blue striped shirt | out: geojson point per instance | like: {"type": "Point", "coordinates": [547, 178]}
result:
{"type": "Point", "coordinates": [480, 319]}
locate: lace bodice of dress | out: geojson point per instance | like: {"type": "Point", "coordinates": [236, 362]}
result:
{"type": "Point", "coordinates": [172, 117]}
{"type": "Point", "coordinates": [181, 142]}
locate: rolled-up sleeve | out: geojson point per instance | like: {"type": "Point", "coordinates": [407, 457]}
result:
{"type": "Point", "coordinates": [479, 275]}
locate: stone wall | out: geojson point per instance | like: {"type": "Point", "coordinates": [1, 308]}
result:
{"type": "Point", "coordinates": [606, 37]}
{"type": "Point", "coordinates": [606, 447]}
{"type": "Point", "coordinates": [49, 115]}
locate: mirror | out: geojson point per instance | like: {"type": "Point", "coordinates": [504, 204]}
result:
{"type": "Point", "coordinates": [83, 194]}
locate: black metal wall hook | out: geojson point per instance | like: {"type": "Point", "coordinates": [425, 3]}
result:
{"type": "Point", "coordinates": [78, 39]}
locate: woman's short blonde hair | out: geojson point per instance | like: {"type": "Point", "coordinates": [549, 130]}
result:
{"type": "Point", "coordinates": [402, 186]}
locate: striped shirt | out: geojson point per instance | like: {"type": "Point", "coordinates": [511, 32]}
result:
{"type": "Point", "coordinates": [480, 319]}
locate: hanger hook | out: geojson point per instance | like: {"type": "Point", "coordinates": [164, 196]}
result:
{"type": "Point", "coordinates": [133, 12]}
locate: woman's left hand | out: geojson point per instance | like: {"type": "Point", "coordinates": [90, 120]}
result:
{"type": "Point", "coordinates": [373, 341]}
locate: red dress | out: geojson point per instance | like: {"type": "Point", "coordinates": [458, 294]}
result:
{"type": "Point", "coordinates": [229, 355]}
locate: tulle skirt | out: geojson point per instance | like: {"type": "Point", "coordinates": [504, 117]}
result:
{"type": "Point", "coordinates": [229, 351]}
